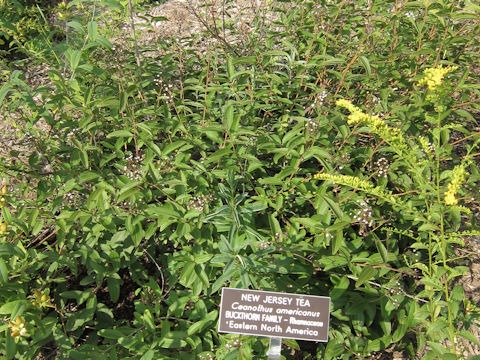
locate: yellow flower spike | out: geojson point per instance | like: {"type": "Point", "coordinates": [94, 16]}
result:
{"type": "Point", "coordinates": [459, 176]}
{"type": "Point", "coordinates": [434, 76]}
{"type": "Point", "coordinates": [392, 136]}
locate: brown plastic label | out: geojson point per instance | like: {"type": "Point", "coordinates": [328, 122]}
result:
{"type": "Point", "coordinates": [274, 314]}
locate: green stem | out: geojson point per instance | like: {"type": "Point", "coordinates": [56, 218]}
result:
{"type": "Point", "coordinates": [443, 240]}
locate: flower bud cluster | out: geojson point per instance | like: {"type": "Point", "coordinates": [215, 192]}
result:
{"type": "Point", "coordinates": [164, 90]}
{"type": "Point", "coordinates": [382, 166]}
{"type": "Point", "coordinates": [166, 163]}
{"type": "Point", "coordinates": [72, 133]}
{"type": "Point", "coordinates": [133, 169]}
{"type": "Point", "coordinates": [318, 101]}
{"type": "Point", "coordinates": [41, 300]}
{"type": "Point", "coordinates": [311, 125]}
{"type": "Point", "coordinates": [320, 98]}
{"type": "Point", "coordinates": [265, 244]}
{"type": "Point", "coordinates": [364, 214]}
{"type": "Point", "coordinates": [427, 146]}
{"type": "Point", "coordinates": [207, 356]}
{"type": "Point", "coordinates": [199, 202]}
{"type": "Point", "coordinates": [72, 197]}
{"type": "Point", "coordinates": [234, 344]}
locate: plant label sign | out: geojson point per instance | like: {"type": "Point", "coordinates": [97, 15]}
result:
{"type": "Point", "coordinates": [274, 314]}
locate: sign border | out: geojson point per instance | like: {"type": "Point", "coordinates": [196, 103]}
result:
{"type": "Point", "coordinates": [266, 336]}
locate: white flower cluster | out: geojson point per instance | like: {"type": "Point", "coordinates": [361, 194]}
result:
{"type": "Point", "coordinates": [320, 98]}
{"type": "Point", "coordinates": [265, 244]}
{"type": "Point", "coordinates": [164, 90]}
{"type": "Point", "coordinates": [72, 198]}
{"type": "Point", "coordinates": [364, 214]}
{"type": "Point", "coordinates": [382, 166]}
{"type": "Point", "coordinates": [199, 202]}
{"type": "Point", "coordinates": [133, 169]}
{"type": "Point", "coordinates": [236, 343]}
{"type": "Point", "coordinates": [411, 15]}
{"type": "Point", "coordinates": [395, 291]}
{"type": "Point", "coordinates": [166, 163]}
{"type": "Point", "coordinates": [207, 356]}
{"type": "Point", "coordinates": [311, 125]}
{"type": "Point", "coordinates": [318, 101]}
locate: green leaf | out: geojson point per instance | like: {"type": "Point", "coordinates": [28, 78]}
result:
{"type": "Point", "coordinates": [334, 206]}
{"type": "Point", "coordinates": [382, 250]}
{"type": "Point", "coordinates": [229, 117]}
{"type": "Point", "coordinates": [7, 249]}
{"type": "Point", "coordinates": [171, 343]}
{"type": "Point", "coordinates": [87, 176]}
{"type": "Point", "coordinates": [73, 57]}
{"type": "Point", "coordinates": [291, 344]}
{"type": "Point", "coordinates": [367, 273]}
{"type": "Point", "coordinates": [148, 355]}
{"type": "Point", "coordinates": [92, 30]}
{"type": "Point", "coordinates": [366, 64]}
{"type": "Point", "coordinates": [14, 308]}
{"type": "Point", "coordinates": [4, 91]}
{"type": "Point", "coordinates": [110, 334]}
{"type": "Point", "coordinates": [232, 272]}
{"type": "Point", "coordinates": [77, 26]}
{"type": "Point", "coordinates": [197, 327]}
{"type": "Point", "coordinates": [3, 272]}
{"type": "Point", "coordinates": [113, 282]}
{"type": "Point", "coordinates": [337, 242]}
{"type": "Point", "coordinates": [148, 320]}
{"type": "Point", "coordinates": [171, 147]}
{"type": "Point", "coordinates": [120, 134]}
{"type": "Point", "coordinates": [470, 337]}
{"type": "Point", "coordinates": [10, 345]}
{"type": "Point", "coordinates": [230, 68]}
{"type": "Point", "coordinates": [428, 227]}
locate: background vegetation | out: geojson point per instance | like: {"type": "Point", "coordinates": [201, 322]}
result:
{"type": "Point", "coordinates": [144, 177]}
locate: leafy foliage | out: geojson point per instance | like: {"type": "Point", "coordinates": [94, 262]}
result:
{"type": "Point", "coordinates": [156, 176]}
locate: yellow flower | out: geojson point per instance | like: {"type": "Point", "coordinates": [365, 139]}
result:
{"type": "Point", "coordinates": [378, 126]}
{"type": "Point", "coordinates": [3, 192]}
{"type": "Point", "coordinates": [18, 327]}
{"type": "Point", "coordinates": [459, 176]}
{"type": "Point", "coordinates": [450, 198]}
{"type": "Point", "coordinates": [434, 76]}
{"type": "Point", "coordinates": [3, 228]}
{"type": "Point", "coordinates": [347, 105]}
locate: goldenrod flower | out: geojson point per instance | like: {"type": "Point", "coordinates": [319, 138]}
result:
{"type": "Point", "coordinates": [450, 198]}
{"type": "Point", "coordinates": [18, 327]}
{"type": "Point", "coordinates": [347, 105]}
{"type": "Point", "coordinates": [357, 183]}
{"type": "Point", "coordinates": [434, 76]}
{"type": "Point", "coordinates": [3, 228]}
{"type": "Point", "coordinates": [459, 176]}
{"type": "Point", "coordinates": [378, 126]}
